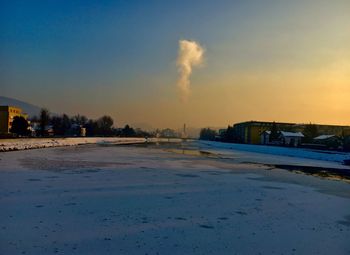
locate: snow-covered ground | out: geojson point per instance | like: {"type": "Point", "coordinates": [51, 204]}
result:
{"type": "Point", "coordinates": [330, 156]}
{"type": "Point", "coordinates": [36, 143]}
{"type": "Point", "coordinates": [99, 199]}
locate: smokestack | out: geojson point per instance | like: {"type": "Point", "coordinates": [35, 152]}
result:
{"type": "Point", "coordinates": [184, 135]}
{"type": "Point", "coordinates": [190, 55]}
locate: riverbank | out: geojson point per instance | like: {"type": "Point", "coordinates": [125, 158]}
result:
{"type": "Point", "coordinates": [37, 143]}
{"type": "Point", "coordinates": [332, 156]}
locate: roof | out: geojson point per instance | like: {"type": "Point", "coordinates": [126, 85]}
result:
{"type": "Point", "coordinates": [6, 107]}
{"type": "Point", "coordinates": [291, 134]}
{"type": "Point", "coordinates": [266, 123]}
{"type": "Point", "coordinates": [323, 137]}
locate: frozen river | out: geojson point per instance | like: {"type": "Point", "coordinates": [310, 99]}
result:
{"type": "Point", "coordinates": [167, 199]}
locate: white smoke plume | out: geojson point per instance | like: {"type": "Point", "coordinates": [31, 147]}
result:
{"type": "Point", "coordinates": [190, 55]}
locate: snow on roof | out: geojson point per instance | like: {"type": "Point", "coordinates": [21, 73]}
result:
{"type": "Point", "coordinates": [292, 134]}
{"type": "Point", "coordinates": [323, 137]}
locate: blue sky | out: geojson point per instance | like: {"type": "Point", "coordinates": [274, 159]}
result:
{"type": "Point", "coordinates": [118, 57]}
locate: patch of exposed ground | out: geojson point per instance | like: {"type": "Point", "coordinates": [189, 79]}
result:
{"type": "Point", "coordinates": [326, 172]}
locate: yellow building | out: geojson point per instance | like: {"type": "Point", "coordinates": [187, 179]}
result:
{"type": "Point", "coordinates": [250, 131]}
{"type": "Point", "coordinates": [7, 113]}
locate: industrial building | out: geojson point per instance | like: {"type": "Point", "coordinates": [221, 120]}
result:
{"type": "Point", "coordinates": [7, 113]}
{"type": "Point", "coordinates": [251, 131]}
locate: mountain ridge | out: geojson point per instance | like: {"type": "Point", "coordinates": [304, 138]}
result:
{"type": "Point", "coordinates": [28, 108]}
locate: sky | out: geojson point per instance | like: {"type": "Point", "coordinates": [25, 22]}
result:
{"type": "Point", "coordinates": [263, 60]}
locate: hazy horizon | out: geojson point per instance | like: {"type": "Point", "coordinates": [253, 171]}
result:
{"type": "Point", "coordinates": [283, 61]}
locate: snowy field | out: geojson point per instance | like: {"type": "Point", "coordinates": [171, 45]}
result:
{"type": "Point", "coordinates": [191, 198]}
{"type": "Point", "coordinates": [36, 143]}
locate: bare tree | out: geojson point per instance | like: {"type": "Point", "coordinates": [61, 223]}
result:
{"type": "Point", "coordinates": [44, 121]}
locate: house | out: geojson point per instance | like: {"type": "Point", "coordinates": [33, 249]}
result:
{"type": "Point", "coordinates": [324, 137]}
{"type": "Point", "coordinates": [36, 129]}
{"type": "Point", "coordinates": [284, 138]}
{"type": "Point", "coordinates": [77, 130]}
{"type": "Point", "coordinates": [265, 137]}
{"type": "Point", "coordinates": [329, 141]}
{"type": "Point", "coordinates": [292, 139]}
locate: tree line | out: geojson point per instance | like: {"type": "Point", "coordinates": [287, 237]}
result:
{"type": "Point", "coordinates": [63, 125]}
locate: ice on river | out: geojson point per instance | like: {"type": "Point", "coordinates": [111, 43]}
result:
{"type": "Point", "coordinates": [97, 199]}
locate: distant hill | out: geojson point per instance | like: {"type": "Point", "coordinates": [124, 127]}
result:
{"type": "Point", "coordinates": [30, 109]}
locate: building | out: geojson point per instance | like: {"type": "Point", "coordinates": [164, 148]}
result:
{"type": "Point", "coordinates": [284, 138]}
{"type": "Point", "coordinates": [292, 139]}
{"type": "Point", "coordinates": [77, 130]}
{"type": "Point", "coordinates": [250, 131]}
{"type": "Point", "coordinates": [324, 137]}
{"type": "Point", "coordinates": [328, 141]}
{"type": "Point", "coordinates": [265, 137]}
{"type": "Point", "coordinates": [7, 114]}
{"type": "Point", "coordinates": [168, 133]}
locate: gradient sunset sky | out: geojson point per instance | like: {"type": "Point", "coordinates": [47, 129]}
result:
{"type": "Point", "coordinates": [264, 60]}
